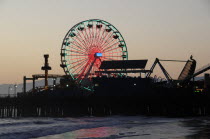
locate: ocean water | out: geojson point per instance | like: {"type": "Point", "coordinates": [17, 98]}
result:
{"type": "Point", "coordinates": [113, 127]}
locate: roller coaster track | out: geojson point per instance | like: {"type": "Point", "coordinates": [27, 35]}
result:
{"type": "Point", "coordinates": [198, 72]}
{"type": "Point", "coordinates": [201, 70]}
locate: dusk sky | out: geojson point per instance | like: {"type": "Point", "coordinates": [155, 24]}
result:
{"type": "Point", "coordinates": [167, 29]}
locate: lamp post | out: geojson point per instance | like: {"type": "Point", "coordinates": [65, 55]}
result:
{"type": "Point", "coordinates": [15, 90]}
{"type": "Point", "coordinates": [9, 89]}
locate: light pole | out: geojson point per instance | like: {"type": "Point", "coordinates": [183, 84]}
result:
{"type": "Point", "coordinates": [9, 88]}
{"type": "Point", "coordinates": [15, 89]}
{"type": "Point", "coordinates": [54, 83]}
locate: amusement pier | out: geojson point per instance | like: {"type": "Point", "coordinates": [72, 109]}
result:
{"type": "Point", "coordinates": [99, 80]}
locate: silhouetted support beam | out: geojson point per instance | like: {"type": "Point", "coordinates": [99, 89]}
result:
{"type": "Point", "coordinates": [152, 68]}
{"type": "Point", "coordinates": [46, 67]}
{"type": "Point", "coordinates": [201, 71]}
{"type": "Point", "coordinates": [24, 83]}
{"type": "Point", "coordinates": [165, 72]}
{"type": "Point", "coordinates": [33, 84]}
{"type": "Point", "coordinates": [157, 61]}
{"type": "Point", "coordinates": [126, 71]}
{"type": "Point", "coordinates": [46, 79]}
{"type": "Point", "coordinates": [173, 60]}
{"type": "Point", "coordinates": [37, 76]}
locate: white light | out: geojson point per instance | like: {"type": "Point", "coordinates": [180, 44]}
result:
{"type": "Point", "coordinates": [134, 84]}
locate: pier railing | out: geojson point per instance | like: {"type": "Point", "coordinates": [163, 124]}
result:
{"type": "Point", "coordinates": [7, 95]}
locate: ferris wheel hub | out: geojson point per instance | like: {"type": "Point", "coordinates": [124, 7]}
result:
{"type": "Point", "coordinates": [97, 55]}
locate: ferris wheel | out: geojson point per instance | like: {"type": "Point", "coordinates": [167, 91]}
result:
{"type": "Point", "coordinates": [87, 44]}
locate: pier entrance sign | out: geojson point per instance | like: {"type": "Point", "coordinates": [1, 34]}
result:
{"type": "Point", "coordinates": [87, 44]}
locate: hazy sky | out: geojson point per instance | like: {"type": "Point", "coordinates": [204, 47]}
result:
{"type": "Point", "coordinates": [167, 29]}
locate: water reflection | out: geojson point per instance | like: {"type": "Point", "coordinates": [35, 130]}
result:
{"type": "Point", "coordinates": [99, 132]}
{"type": "Point", "coordinates": [129, 128]}
{"type": "Point", "coordinates": [95, 132]}
{"type": "Point", "coordinates": [200, 126]}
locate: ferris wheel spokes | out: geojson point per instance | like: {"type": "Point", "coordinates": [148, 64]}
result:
{"type": "Point", "coordinates": [89, 43]}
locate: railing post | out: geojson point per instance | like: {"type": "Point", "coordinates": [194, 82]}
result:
{"type": "Point", "coordinates": [24, 84]}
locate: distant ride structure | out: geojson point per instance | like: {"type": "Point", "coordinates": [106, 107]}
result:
{"type": "Point", "coordinates": [87, 44]}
